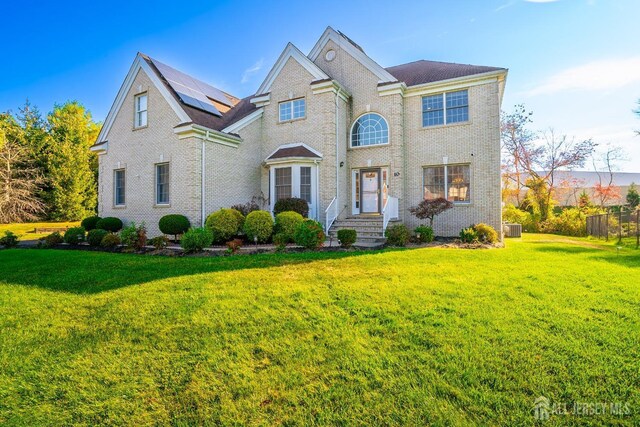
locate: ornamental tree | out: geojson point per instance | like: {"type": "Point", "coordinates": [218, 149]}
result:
{"type": "Point", "coordinates": [428, 209]}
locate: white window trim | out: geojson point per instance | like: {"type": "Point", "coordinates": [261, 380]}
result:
{"type": "Point", "coordinates": [291, 101]}
{"type": "Point", "coordinates": [155, 184]}
{"type": "Point", "coordinates": [136, 112]}
{"type": "Point", "coordinates": [374, 145]}
{"type": "Point", "coordinates": [115, 202]}
{"type": "Point", "coordinates": [444, 108]}
{"type": "Point", "coordinates": [446, 181]}
{"type": "Point", "coordinates": [295, 184]}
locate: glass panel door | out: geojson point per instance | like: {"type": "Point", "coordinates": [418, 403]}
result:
{"type": "Point", "coordinates": [370, 193]}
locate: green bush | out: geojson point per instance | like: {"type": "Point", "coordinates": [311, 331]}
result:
{"type": "Point", "coordinates": [95, 236]}
{"type": "Point", "coordinates": [53, 239]}
{"type": "Point", "coordinates": [110, 223]}
{"type": "Point", "coordinates": [224, 224]}
{"type": "Point", "coordinates": [309, 234]}
{"type": "Point", "coordinates": [174, 224]}
{"type": "Point", "coordinates": [287, 223]}
{"type": "Point", "coordinates": [196, 239]}
{"type": "Point", "coordinates": [159, 242]}
{"type": "Point", "coordinates": [468, 235]}
{"type": "Point", "coordinates": [292, 204]}
{"type": "Point", "coordinates": [110, 241]}
{"type": "Point", "coordinates": [9, 240]}
{"type": "Point", "coordinates": [74, 235]}
{"type": "Point", "coordinates": [280, 240]}
{"type": "Point", "coordinates": [258, 224]}
{"type": "Point", "coordinates": [486, 233]}
{"type": "Point", "coordinates": [134, 237]}
{"type": "Point", "coordinates": [570, 222]}
{"type": "Point", "coordinates": [246, 208]}
{"type": "Point", "coordinates": [424, 234]}
{"type": "Point", "coordinates": [347, 237]}
{"type": "Point", "coordinates": [397, 235]}
{"type": "Point", "coordinates": [90, 222]}
{"type": "Point", "coordinates": [530, 221]}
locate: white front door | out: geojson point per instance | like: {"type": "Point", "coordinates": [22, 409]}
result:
{"type": "Point", "coordinates": [295, 180]}
{"type": "Point", "coordinates": [370, 191]}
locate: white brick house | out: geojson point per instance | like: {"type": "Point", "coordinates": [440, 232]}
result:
{"type": "Point", "coordinates": [354, 139]}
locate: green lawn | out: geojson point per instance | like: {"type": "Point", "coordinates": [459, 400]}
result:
{"type": "Point", "coordinates": [410, 337]}
{"type": "Point", "coordinates": [26, 229]}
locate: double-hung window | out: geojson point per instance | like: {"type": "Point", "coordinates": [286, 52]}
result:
{"type": "Point", "coordinates": [140, 118]}
{"type": "Point", "coordinates": [445, 108]}
{"type": "Point", "coordinates": [118, 187]}
{"type": "Point", "coordinates": [452, 182]}
{"type": "Point", "coordinates": [305, 183]}
{"type": "Point", "coordinates": [283, 183]}
{"type": "Point", "coordinates": [162, 184]}
{"type": "Point", "coordinates": [292, 110]}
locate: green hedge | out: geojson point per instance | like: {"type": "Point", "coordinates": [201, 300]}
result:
{"type": "Point", "coordinates": [110, 223]}
{"type": "Point", "coordinates": [347, 237]}
{"type": "Point", "coordinates": [397, 235]}
{"type": "Point", "coordinates": [224, 224]}
{"type": "Point", "coordinates": [310, 234]}
{"type": "Point", "coordinates": [90, 223]}
{"type": "Point", "coordinates": [258, 224]}
{"type": "Point", "coordinates": [287, 223]}
{"type": "Point", "coordinates": [174, 224]}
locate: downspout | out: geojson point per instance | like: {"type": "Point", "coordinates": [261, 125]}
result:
{"type": "Point", "coordinates": [337, 154]}
{"type": "Point", "coordinates": [202, 192]}
{"type": "Point", "coordinates": [317, 216]}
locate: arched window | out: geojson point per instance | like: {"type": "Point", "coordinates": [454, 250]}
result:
{"type": "Point", "coordinates": [369, 129]}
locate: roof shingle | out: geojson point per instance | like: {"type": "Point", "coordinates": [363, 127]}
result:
{"type": "Point", "coordinates": [421, 72]}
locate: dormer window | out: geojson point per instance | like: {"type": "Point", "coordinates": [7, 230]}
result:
{"type": "Point", "coordinates": [140, 119]}
{"type": "Point", "coordinates": [292, 110]}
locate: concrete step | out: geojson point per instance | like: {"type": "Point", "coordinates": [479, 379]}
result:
{"type": "Point", "coordinates": [363, 228]}
{"type": "Point", "coordinates": [355, 224]}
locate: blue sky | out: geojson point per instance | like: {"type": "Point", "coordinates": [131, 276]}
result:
{"type": "Point", "coordinates": [575, 63]}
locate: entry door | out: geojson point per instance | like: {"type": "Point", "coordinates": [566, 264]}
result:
{"type": "Point", "coordinates": [370, 191]}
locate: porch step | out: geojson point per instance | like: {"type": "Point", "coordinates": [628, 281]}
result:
{"type": "Point", "coordinates": [369, 229]}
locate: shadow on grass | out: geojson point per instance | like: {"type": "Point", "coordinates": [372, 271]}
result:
{"type": "Point", "coordinates": [84, 272]}
{"type": "Point", "coordinates": [626, 258]}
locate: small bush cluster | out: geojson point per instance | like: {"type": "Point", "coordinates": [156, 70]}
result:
{"type": "Point", "coordinates": [468, 235]}
{"type": "Point", "coordinates": [159, 242]}
{"type": "Point", "coordinates": [110, 241]}
{"type": "Point", "coordinates": [110, 223]}
{"type": "Point", "coordinates": [196, 239]}
{"type": "Point", "coordinates": [294, 204]}
{"type": "Point", "coordinates": [310, 234]}
{"type": "Point", "coordinates": [570, 222]}
{"type": "Point", "coordinates": [246, 208]}
{"type": "Point", "coordinates": [347, 237]}
{"type": "Point", "coordinates": [174, 224]}
{"type": "Point", "coordinates": [424, 234]}
{"type": "Point", "coordinates": [486, 233]}
{"type": "Point", "coordinates": [74, 235]}
{"type": "Point", "coordinates": [258, 224]}
{"type": "Point", "coordinates": [233, 246]}
{"type": "Point", "coordinates": [397, 235]}
{"type": "Point", "coordinates": [9, 240]}
{"type": "Point", "coordinates": [224, 224]}
{"type": "Point", "coordinates": [280, 240]}
{"type": "Point", "coordinates": [95, 236]}
{"type": "Point", "coordinates": [90, 223]}
{"type": "Point", "coordinates": [287, 223]}
{"type": "Point", "coordinates": [53, 240]}
{"type": "Point", "coordinates": [134, 237]}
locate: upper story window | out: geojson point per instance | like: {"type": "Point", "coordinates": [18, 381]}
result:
{"type": "Point", "coordinates": [369, 129]}
{"type": "Point", "coordinates": [292, 110]}
{"type": "Point", "coordinates": [140, 119]}
{"type": "Point", "coordinates": [162, 184]}
{"type": "Point", "coordinates": [445, 108]}
{"type": "Point", "coordinates": [118, 187]}
{"type": "Point", "coordinates": [452, 182]}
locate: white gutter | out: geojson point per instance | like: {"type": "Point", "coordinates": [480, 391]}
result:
{"type": "Point", "coordinates": [202, 179]}
{"type": "Point", "coordinates": [337, 151]}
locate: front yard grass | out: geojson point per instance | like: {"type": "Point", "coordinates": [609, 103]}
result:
{"type": "Point", "coordinates": [406, 337]}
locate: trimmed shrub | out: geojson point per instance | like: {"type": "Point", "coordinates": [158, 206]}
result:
{"type": "Point", "coordinates": [310, 234]}
{"type": "Point", "coordinates": [397, 235]}
{"type": "Point", "coordinates": [280, 240]}
{"type": "Point", "coordinates": [95, 236]}
{"type": "Point", "coordinates": [74, 235]}
{"type": "Point", "coordinates": [159, 242]}
{"type": "Point", "coordinates": [287, 223]}
{"type": "Point", "coordinates": [234, 246]}
{"type": "Point", "coordinates": [90, 222]}
{"type": "Point", "coordinates": [134, 237]}
{"type": "Point", "coordinates": [486, 233]}
{"type": "Point", "coordinates": [174, 224]}
{"type": "Point", "coordinates": [196, 239]}
{"type": "Point", "coordinates": [294, 204]}
{"type": "Point", "coordinates": [53, 239]}
{"type": "Point", "coordinates": [258, 224]}
{"type": "Point", "coordinates": [110, 223]}
{"type": "Point", "coordinates": [9, 240]}
{"type": "Point", "coordinates": [347, 237]}
{"type": "Point", "coordinates": [110, 241]}
{"type": "Point", "coordinates": [424, 234]}
{"type": "Point", "coordinates": [224, 224]}
{"type": "Point", "coordinates": [247, 208]}
{"type": "Point", "coordinates": [468, 235]}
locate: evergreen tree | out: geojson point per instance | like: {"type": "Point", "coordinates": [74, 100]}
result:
{"type": "Point", "coordinates": [70, 164]}
{"type": "Point", "coordinates": [633, 198]}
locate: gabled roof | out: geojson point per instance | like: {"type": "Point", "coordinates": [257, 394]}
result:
{"type": "Point", "coordinates": [290, 52]}
{"type": "Point", "coordinates": [422, 72]}
{"type": "Point", "coordinates": [294, 151]}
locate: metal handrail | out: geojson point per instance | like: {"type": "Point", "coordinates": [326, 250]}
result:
{"type": "Point", "coordinates": [329, 220]}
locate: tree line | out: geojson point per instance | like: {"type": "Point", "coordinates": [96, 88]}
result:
{"type": "Point", "coordinates": [46, 168]}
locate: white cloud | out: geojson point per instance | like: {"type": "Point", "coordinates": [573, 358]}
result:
{"type": "Point", "coordinates": [249, 72]}
{"type": "Point", "coordinates": [596, 76]}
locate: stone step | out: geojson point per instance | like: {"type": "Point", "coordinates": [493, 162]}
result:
{"type": "Point", "coordinates": [354, 224]}
{"type": "Point", "coordinates": [359, 229]}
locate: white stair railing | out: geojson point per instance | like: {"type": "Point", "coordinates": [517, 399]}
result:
{"type": "Point", "coordinates": [330, 214]}
{"type": "Point", "coordinates": [389, 211]}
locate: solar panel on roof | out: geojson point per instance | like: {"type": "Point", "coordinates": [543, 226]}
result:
{"type": "Point", "coordinates": [192, 91]}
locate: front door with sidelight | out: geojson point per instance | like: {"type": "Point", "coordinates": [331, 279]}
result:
{"type": "Point", "coordinates": [370, 191]}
